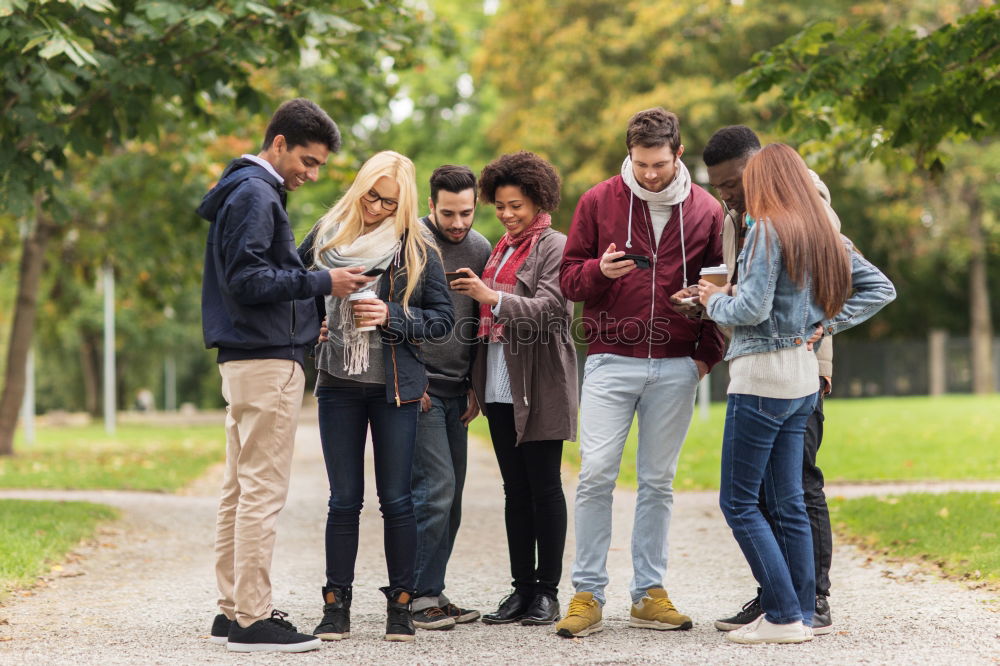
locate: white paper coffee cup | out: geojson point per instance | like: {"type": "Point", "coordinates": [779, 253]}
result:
{"type": "Point", "coordinates": [717, 275]}
{"type": "Point", "coordinates": [357, 296]}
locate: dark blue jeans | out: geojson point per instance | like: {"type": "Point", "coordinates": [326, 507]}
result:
{"type": "Point", "coordinates": [762, 446]}
{"type": "Point", "coordinates": [344, 416]}
{"type": "Point", "coordinates": [439, 463]}
{"type": "Point", "coordinates": [815, 497]}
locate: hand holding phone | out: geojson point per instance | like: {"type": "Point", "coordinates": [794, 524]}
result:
{"type": "Point", "coordinates": [641, 260]}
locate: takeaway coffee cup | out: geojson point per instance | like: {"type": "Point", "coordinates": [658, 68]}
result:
{"type": "Point", "coordinates": [717, 275]}
{"type": "Point", "coordinates": [357, 296]}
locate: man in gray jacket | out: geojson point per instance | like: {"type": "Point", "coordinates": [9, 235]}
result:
{"type": "Point", "coordinates": [448, 405]}
{"type": "Point", "coordinates": [726, 155]}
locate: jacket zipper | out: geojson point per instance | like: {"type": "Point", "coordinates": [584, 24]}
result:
{"type": "Point", "coordinates": [648, 216]}
{"type": "Point", "coordinates": [392, 348]}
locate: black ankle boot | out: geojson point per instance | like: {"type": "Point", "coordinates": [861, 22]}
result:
{"type": "Point", "coordinates": [511, 609]}
{"type": "Point", "coordinates": [336, 623]}
{"type": "Point", "coordinates": [544, 609]}
{"type": "Point", "coordinates": [399, 620]}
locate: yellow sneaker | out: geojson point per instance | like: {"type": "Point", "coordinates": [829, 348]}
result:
{"type": "Point", "coordinates": [582, 618]}
{"type": "Point", "coordinates": [656, 611]}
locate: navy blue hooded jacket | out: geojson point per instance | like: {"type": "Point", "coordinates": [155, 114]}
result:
{"type": "Point", "coordinates": [256, 297]}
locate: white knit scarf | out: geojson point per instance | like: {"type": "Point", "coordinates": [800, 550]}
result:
{"type": "Point", "coordinates": [375, 249]}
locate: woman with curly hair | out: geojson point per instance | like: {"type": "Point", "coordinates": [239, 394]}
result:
{"type": "Point", "coordinates": [525, 379]}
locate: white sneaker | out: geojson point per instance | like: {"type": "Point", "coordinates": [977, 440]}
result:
{"type": "Point", "coordinates": [762, 631]}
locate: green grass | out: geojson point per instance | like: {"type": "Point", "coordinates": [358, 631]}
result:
{"type": "Point", "coordinates": [38, 534]}
{"type": "Point", "coordinates": [957, 532]}
{"type": "Point", "coordinates": [138, 457]}
{"type": "Point", "coordinates": [876, 439]}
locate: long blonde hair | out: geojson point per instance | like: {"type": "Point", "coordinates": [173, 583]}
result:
{"type": "Point", "coordinates": [347, 213]}
{"type": "Point", "coordinates": [780, 193]}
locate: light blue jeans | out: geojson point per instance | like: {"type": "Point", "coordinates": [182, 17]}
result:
{"type": "Point", "coordinates": [615, 388]}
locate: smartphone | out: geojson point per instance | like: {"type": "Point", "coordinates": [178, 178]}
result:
{"type": "Point", "coordinates": [641, 260]}
{"type": "Point", "coordinates": [373, 272]}
{"type": "Point", "coordinates": [454, 275]}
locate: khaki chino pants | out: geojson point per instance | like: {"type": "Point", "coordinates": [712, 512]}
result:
{"type": "Point", "coordinates": [263, 399]}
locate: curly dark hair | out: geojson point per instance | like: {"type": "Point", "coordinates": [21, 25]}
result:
{"type": "Point", "coordinates": [730, 143]}
{"type": "Point", "coordinates": [538, 180]}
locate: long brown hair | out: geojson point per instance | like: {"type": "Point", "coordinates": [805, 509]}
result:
{"type": "Point", "coordinates": [781, 194]}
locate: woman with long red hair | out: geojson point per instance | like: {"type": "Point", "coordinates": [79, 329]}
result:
{"type": "Point", "coordinates": [795, 275]}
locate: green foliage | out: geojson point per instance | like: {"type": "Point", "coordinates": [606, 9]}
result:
{"type": "Point", "coordinates": [877, 439]}
{"type": "Point", "coordinates": [569, 74]}
{"type": "Point", "coordinates": [36, 535]}
{"type": "Point", "coordinates": [894, 88]}
{"type": "Point", "coordinates": [137, 457]}
{"type": "Point", "coordinates": [956, 531]}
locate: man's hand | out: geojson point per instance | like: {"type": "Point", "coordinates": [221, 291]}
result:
{"type": "Point", "coordinates": [348, 280]}
{"type": "Point", "coordinates": [702, 369]}
{"type": "Point", "coordinates": [475, 288]}
{"type": "Point", "coordinates": [615, 269]}
{"type": "Point", "coordinates": [372, 311]}
{"type": "Point", "coordinates": [324, 331]}
{"type": "Point", "coordinates": [690, 309]}
{"type": "Point", "coordinates": [472, 411]}
{"type": "Point", "coordinates": [425, 403]}
{"type": "Point", "coordinates": [814, 338]}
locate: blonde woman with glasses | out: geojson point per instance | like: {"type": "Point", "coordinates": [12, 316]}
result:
{"type": "Point", "coordinates": [370, 374]}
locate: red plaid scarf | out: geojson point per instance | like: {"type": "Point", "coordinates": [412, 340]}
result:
{"type": "Point", "coordinates": [504, 279]}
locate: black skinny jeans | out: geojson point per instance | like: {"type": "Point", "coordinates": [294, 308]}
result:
{"type": "Point", "coordinates": [815, 498]}
{"type": "Point", "coordinates": [344, 416]}
{"type": "Point", "coordinates": [534, 504]}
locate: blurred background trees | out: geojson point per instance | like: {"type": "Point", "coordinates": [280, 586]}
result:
{"type": "Point", "coordinates": [118, 116]}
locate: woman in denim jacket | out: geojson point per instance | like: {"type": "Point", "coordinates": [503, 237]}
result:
{"type": "Point", "coordinates": [796, 274]}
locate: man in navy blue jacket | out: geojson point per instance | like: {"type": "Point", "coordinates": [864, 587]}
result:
{"type": "Point", "coordinates": [258, 310]}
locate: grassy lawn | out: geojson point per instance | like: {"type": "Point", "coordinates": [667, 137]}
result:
{"type": "Point", "coordinates": [38, 534]}
{"type": "Point", "coordinates": [957, 532]}
{"type": "Point", "coordinates": [137, 457]}
{"type": "Point", "coordinates": [877, 439]}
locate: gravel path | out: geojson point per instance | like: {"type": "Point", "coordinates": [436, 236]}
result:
{"type": "Point", "coordinates": [144, 591]}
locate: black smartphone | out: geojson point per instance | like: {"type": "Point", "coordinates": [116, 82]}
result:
{"type": "Point", "coordinates": [454, 275]}
{"type": "Point", "coordinates": [373, 272]}
{"type": "Point", "coordinates": [641, 260]}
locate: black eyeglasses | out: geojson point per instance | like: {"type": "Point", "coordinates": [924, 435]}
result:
{"type": "Point", "coordinates": [387, 204]}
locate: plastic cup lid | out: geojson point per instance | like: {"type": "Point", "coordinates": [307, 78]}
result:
{"type": "Point", "coordinates": [715, 270]}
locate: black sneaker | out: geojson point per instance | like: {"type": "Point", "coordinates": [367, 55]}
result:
{"type": "Point", "coordinates": [336, 622]}
{"type": "Point", "coordinates": [274, 634]}
{"type": "Point", "coordinates": [220, 629]}
{"type": "Point", "coordinates": [751, 611]}
{"type": "Point", "coordinates": [399, 620]}
{"type": "Point", "coordinates": [460, 615]}
{"type": "Point", "coordinates": [432, 618]}
{"type": "Point", "coordinates": [822, 622]}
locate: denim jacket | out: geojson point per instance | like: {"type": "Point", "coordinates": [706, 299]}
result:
{"type": "Point", "coordinates": [771, 312]}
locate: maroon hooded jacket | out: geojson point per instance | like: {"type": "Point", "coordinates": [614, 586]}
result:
{"type": "Point", "coordinates": [633, 315]}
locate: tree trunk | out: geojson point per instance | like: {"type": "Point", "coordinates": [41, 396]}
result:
{"type": "Point", "coordinates": [89, 364]}
{"type": "Point", "coordinates": [23, 328]}
{"type": "Point", "coordinates": [980, 323]}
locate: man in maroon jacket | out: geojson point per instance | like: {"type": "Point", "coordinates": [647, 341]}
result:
{"type": "Point", "coordinates": [636, 239]}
